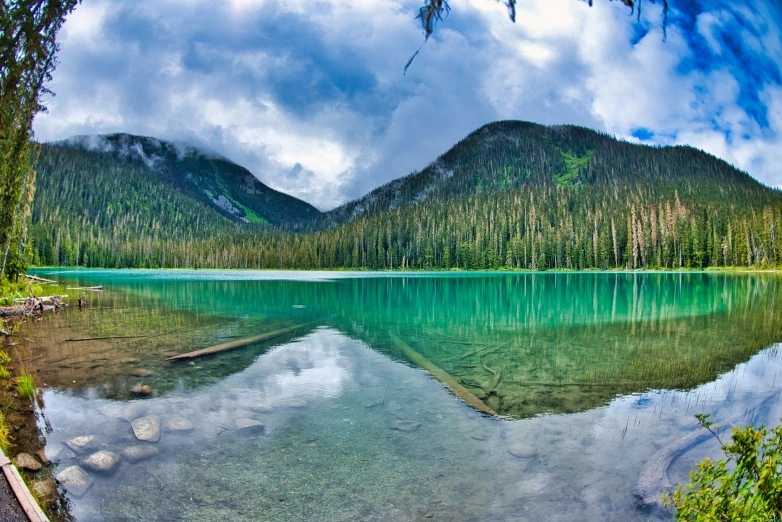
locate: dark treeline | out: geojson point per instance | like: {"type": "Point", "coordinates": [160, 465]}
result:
{"type": "Point", "coordinates": [548, 227]}
{"type": "Point", "coordinates": [511, 195]}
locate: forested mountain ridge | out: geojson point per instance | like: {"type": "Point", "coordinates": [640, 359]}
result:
{"type": "Point", "coordinates": [228, 188]}
{"type": "Point", "coordinates": [511, 155]}
{"type": "Point", "coordinates": [512, 195]}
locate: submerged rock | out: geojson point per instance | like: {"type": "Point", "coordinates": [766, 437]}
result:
{"type": "Point", "coordinates": [178, 425]}
{"type": "Point", "coordinates": [102, 462]}
{"type": "Point", "coordinates": [45, 491]}
{"type": "Point", "coordinates": [82, 444]}
{"type": "Point", "coordinates": [142, 390]}
{"type": "Point", "coordinates": [147, 428]}
{"type": "Point", "coordinates": [58, 452]}
{"type": "Point", "coordinates": [27, 461]}
{"type": "Point", "coordinates": [133, 411]}
{"type": "Point", "coordinates": [243, 414]}
{"type": "Point", "coordinates": [249, 427]}
{"type": "Point", "coordinates": [75, 480]}
{"type": "Point", "coordinates": [406, 426]}
{"type": "Point", "coordinates": [138, 452]}
{"type": "Point", "coordinates": [522, 451]}
{"type": "Point", "coordinates": [141, 372]}
{"type": "Point", "coordinates": [260, 407]}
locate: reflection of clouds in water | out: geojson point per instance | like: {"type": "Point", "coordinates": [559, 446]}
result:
{"type": "Point", "coordinates": [309, 368]}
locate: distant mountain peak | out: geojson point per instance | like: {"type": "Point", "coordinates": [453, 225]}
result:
{"type": "Point", "coordinates": [148, 149]}
{"type": "Point", "coordinates": [230, 189]}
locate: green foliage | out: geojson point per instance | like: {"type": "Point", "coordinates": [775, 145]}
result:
{"type": "Point", "coordinates": [573, 165]}
{"type": "Point", "coordinates": [4, 357]}
{"type": "Point", "coordinates": [5, 434]}
{"type": "Point", "coordinates": [745, 485]}
{"type": "Point", "coordinates": [25, 385]}
{"type": "Point", "coordinates": [4, 373]}
{"type": "Point", "coordinates": [27, 58]}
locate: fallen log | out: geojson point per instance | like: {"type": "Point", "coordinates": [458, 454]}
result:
{"type": "Point", "coordinates": [39, 279]}
{"type": "Point", "coordinates": [98, 288]}
{"type": "Point", "coordinates": [79, 339]}
{"type": "Point", "coordinates": [240, 343]}
{"type": "Point", "coordinates": [654, 482]}
{"type": "Point", "coordinates": [46, 299]}
{"type": "Point", "coordinates": [442, 376]}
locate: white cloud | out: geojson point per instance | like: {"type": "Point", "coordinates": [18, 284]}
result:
{"type": "Point", "coordinates": [311, 96]}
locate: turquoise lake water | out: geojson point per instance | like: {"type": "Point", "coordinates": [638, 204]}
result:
{"type": "Point", "coordinates": [589, 376]}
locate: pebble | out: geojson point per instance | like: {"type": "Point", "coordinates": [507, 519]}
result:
{"type": "Point", "coordinates": [102, 462]}
{"type": "Point", "coordinates": [147, 428]}
{"type": "Point", "coordinates": [138, 452]}
{"type": "Point", "coordinates": [406, 426]}
{"type": "Point", "coordinates": [141, 372]}
{"type": "Point", "coordinates": [128, 360]}
{"type": "Point", "coordinates": [142, 390]}
{"type": "Point", "coordinates": [81, 444]}
{"type": "Point", "coordinates": [248, 427]}
{"type": "Point", "coordinates": [178, 425]}
{"type": "Point", "coordinates": [27, 461]}
{"type": "Point", "coordinates": [75, 480]}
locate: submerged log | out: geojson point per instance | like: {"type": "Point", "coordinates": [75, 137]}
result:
{"type": "Point", "coordinates": [80, 339]}
{"type": "Point", "coordinates": [98, 288]}
{"type": "Point", "coordinates": [442, 376]}
{"type": "Point", "coordinates": [654, 482]}
{"type": "Point", "coordinates": [240, 343]}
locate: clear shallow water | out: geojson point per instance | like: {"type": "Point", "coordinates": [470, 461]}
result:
{"type": "Point", "coordinates": [592, 373]}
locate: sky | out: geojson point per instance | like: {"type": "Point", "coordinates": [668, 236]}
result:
{"type": "Point", "coordinates": [310, 95]}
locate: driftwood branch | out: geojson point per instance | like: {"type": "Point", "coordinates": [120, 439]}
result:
{"type": "Point", "coordinates": [240, 343]}
{"type": "Point", "coordinates": [98, 288]}
{"type": "Point", "coordinates": [39, 279]}
{"type": "Point", "coordinates": [32, 305]}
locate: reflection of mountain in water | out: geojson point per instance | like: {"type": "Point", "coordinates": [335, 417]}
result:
{"type": "Point", "coordinates": [526, 343]}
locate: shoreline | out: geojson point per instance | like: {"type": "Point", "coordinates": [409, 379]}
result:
{"type": "Point", "coordinates": [727, 270]}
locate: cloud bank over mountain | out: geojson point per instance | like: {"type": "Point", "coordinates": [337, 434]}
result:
{"type": "Point", "coordinates": [310, 96]}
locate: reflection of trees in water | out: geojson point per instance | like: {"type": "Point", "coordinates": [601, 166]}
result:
{"type": "Point", "coordinates": [542, 342]}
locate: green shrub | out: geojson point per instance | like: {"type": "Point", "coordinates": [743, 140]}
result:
{"type": "Point", "coordinates": [25, 385]}
{"type": "Point", "coordinates": [4, 373]}
{"type": "Point", "coordinates": [4, 358]}
{"type": "Point", "coordinates": [745, 485]}
{"type": "Point", "coordinates": [5, 434]}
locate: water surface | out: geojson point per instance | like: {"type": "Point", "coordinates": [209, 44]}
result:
{"type": "Point", "coordinates": [590, 375]}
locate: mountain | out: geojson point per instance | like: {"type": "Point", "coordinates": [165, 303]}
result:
{"type": "Point", "coordinates": [511, 155]}
{"type": "Point", "coordinates": [511, 195]}
{"type": "Point", "coordinates": [226, 187]}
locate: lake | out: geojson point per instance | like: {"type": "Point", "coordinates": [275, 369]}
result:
{"type": "Point", "coordinates": [397, 396]}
